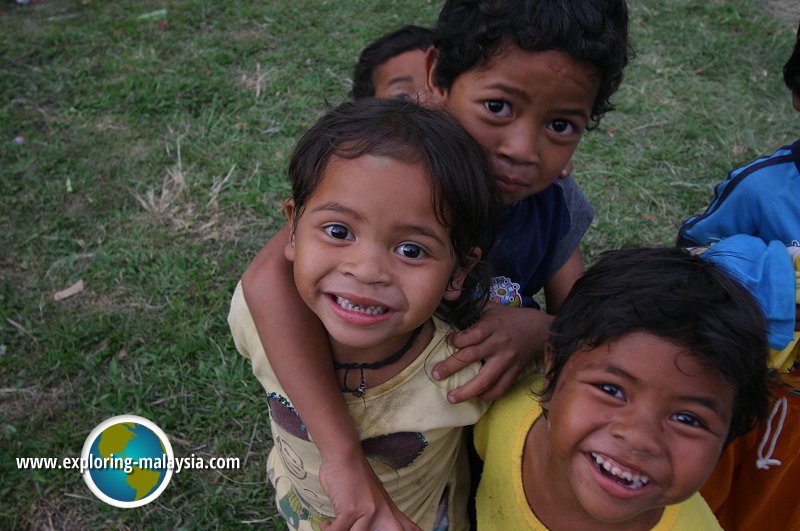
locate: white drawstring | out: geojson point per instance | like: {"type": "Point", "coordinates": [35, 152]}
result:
{"type": "Point", "coordinates": [764, 463]}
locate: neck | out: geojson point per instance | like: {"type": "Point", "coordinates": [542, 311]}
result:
{"type": "Point", "coordinates": [349, 354]}
{"type": "Point", "coordinates": [375, 369]}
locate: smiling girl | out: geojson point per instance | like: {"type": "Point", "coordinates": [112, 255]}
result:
{"type": "Point", "coordinates": [391, 211]}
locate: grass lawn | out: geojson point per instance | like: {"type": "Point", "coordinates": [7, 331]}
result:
{"type": "Point", "coordinates": [143, 148]}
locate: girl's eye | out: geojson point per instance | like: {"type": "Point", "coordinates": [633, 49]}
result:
{"type": "Point", "coordinates": [410, 250]}
{"type": "Point", "coordinates": [562, 126]}
{"type": "Point", "coordinates": [340, 232]}
{"type": "Point", "coordinates": [498, 107]}
{"type": "Point", "coordinates": [612, 390]}
{"type": "Point", "coordinates": [688, 419]}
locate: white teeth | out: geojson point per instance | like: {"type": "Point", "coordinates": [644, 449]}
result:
{"type": "Point", "coordinates": [353, 307]}
{"type": "Point", "coordinates": [626, 477]}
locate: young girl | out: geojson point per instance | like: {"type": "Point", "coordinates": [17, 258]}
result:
{"type": "Point", "coordinates": [391, 211]}
{"type": "Point", "coordinates": [526, 79]}
{"type": "Point", "coordinates": [655, 362]}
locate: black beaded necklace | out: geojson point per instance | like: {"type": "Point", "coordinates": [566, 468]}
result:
{"type": "Point", "coordinates": [358, 392]}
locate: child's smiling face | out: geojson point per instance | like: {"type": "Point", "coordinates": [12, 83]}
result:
{"type": "Point", "coordinates": [371, 258]}
{"type": "Point", "coordinates": [633, 425]}
{"type": "Point", "coordinates": [528, 110]}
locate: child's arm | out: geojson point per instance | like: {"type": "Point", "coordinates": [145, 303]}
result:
{"type": "Point", "coordinates": [297, 347]}
{"type": "Point", "coordinates": [560, 283]}
{"type": "Point", "coordinates": [507, 339]}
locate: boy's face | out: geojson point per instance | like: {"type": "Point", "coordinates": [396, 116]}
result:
{"type": "Point", "coordinates": [528, 109]}
{"type": "Point", "coordinates": [404, 73]}
{"type": "Point", "coordinates": [633, 425]}
{"type": "Point", "coordinates": [371, 259]}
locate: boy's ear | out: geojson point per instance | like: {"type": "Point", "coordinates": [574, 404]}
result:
{"type": "Point", "coordinates": [453, 291]}
{"type": "Point", "coordinates": [290, 212]}
{"type": "Point", "coordinates": [548, 366]}
{"type": "Point", "coordinates": [548, 357]}
{"type": "Point", "coordinates": [437, 95]}
{"type": "Point", "coordinates": [796, 100]}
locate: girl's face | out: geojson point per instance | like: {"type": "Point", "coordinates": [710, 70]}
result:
{"type": "Point", "coordinates": [528, 110]}
{"type": "Point", "coordinates": [371, 258]}
{"type": "Point", "coordinates": [633, 425]}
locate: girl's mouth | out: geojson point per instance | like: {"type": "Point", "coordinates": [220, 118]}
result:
{"type": "Point", "coordinates": [359, 308]}
{"type": "Point", "coordinates": [619, 473]}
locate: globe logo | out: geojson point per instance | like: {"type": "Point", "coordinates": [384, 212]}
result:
{"type": "Point", "coordinates": [128, 461]}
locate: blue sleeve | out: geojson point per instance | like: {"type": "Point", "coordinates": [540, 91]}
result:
{"type": "Point", "coordinates": [766, 270]}
{"type": "Point", "coordinates": [580, 214]}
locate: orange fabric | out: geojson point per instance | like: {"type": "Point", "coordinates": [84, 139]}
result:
{"type": "Point", "coordinates": [744, 497]}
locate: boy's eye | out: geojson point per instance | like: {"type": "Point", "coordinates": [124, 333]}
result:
{"type": "Point", "coordinates": [612, 390]}
{"type": "Point", "coordinates": [688, 419]}
{"type": "Point", "coordinates": [410, 250]}
{"type": "Point", "coordinates": [562, 126]}
{"type": "Point", "coordinates": [340, 232]}
{"type": "Point", "coordinates": [498, 107]}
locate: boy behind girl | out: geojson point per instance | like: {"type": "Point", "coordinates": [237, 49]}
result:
{"type": "Point", "coordinates": [393, 65]}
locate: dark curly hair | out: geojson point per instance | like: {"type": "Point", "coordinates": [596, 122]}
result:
{"type": "Point", "coordinates": [469, 32]}
{"type": "Point", "coordinates": [381, 50]}
{"type": "Point", "coordinates": [681, 298]}
{"type": "Point", "coordinates": [463, 195]}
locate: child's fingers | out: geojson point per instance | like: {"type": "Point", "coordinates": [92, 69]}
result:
{"type": "Point", "coordinates": [473, 335]}
{"type": "Point", "coordinates": [500, 386]}
{"type": "Point", "coordinates": [495, 378]}
{"type": "Point", "coordinates": [359, 499]}
{"type": "Point", "coordinates": [455, 362]}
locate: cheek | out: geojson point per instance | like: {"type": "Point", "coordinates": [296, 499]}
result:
{"type": "Point", "coordinates": [566, 428]}
{"type": "Point", "coordinates": [557, 158]}
{"type": "Point", "coordinates": [698, 463]}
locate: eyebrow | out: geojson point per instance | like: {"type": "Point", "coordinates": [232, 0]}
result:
{"type": "Point", "coordinates": [422, 230]}
{"type": "Point", "coordinates": [519, 93]}
{"type": "Point", "coordinates": [510, 90]}
{"type": "Point", "coordinates": [399, 79]}
{"type": "Point", "coordinates": [335, 206]}
{"type": "Point", "coordinates": [705, 401]}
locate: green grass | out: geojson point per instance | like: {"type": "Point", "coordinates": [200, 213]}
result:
{"type": "Point", "coordinates": [152, 169]}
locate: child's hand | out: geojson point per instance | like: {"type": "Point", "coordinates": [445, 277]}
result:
{"type": "Point", "coordinates": [506, 339]}
{"type": "Point", "coordinates": [359, 499]}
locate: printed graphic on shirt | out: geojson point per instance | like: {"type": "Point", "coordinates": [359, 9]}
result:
{"type": "Point", "coordinates": [396, 450]}
{"type": "Point", "coordinates": [504, 291]}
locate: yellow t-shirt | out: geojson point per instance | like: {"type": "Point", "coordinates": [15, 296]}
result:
{"type": "Point", "coordinates": [501, 503]}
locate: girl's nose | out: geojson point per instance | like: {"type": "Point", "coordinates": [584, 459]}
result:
{"type": "Point", "coordinates": [366, 263]}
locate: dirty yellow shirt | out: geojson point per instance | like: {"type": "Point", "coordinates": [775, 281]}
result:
{"type": "Point", "coordinates": [410, 433]}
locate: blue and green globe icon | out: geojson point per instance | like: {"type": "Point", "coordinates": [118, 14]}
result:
{"type": "Point", "coordinates": [129, 461]}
